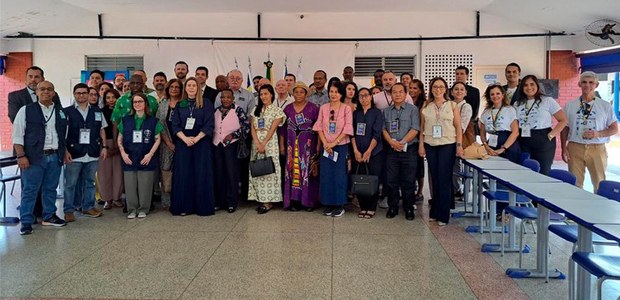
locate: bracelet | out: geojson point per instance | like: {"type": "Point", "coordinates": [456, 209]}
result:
{"type": "Point", "coordinates": [21, 156]}
{"type": "Point", "coordinates": [459, 145]}
{"type": "Point", "coordinates": [503, 147]}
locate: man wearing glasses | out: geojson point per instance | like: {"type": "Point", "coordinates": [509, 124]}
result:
{"type": "Point", "coordinates": [243, 98]}
{"type": "Point", "coordinates": [39, 142]}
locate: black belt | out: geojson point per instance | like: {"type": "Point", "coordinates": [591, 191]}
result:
{"type": "Point", "coordinates": [50, 151]}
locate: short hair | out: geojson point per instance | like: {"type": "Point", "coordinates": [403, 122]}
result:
{"type": "Point", "coordinates": [101, 73]}
{"type": "Point", "coordinates": [324, 73]}
{"type": "Point", "coordinates": [180, 62]}
{"type": "Point", "coordinates": [341, 89]}
{"type": "Point", "coordinates": [36, 69]}
{"type": "Point", "coordinates": [113, 92]}
{"type": "Point", "coordinates": [588, 74]}
{"type": "Point", "coordinates": [466, 69]}
{"type": "Point", "coordinates": [372, 100]}
{"type": "Point", "coordinates": [379, 70]}
{"type": "Point", "coordinates": [161, 74]}
{"type": "Point", "coordinates": [348, 67]}
{"type": "Point", "coordinates": [401, 84]}
{"type": "Point", "coordinates": [79, 86]}
{"type": "Point", "coordinates": [203, 68]}
{"type": "Point", "coordinates": [257, 77]}
{"type": "Point", "coordinates": [405, 74]}
{"type": "Point", "coordinates": [513, 64]}
{"type": "Point", "coordinates": [293, 75]}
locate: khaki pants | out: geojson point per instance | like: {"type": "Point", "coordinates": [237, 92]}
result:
{"type": "Point", "coordinates": [591, 156]}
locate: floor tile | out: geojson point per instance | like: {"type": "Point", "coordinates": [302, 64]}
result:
{"type": "Point", "coordinates": [137, 265]}
{"type": "Point", "coordinates": [267, 266]}
{"type": "Point", "coordinates": [278, 220]}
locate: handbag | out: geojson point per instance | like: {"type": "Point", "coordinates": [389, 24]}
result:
{"type": "Point", "coordinates": [243, 151]}
{"type": "Point", "coordinates": [364, 185]}
{"type": "Point", "coordinates": [262, 166]}
{"type": "Point", "coordinates": [475, 151]}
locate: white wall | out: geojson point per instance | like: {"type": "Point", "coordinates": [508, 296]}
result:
{"type": "Point", "coordinates": [63, 59]}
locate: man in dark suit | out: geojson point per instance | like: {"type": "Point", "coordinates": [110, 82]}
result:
{"type": "Point", "coordinates": [473, 94]}
{"type": "Point", "coordinates": [26, 96]}
{"type": "Point", "coordinates": [202, 74]}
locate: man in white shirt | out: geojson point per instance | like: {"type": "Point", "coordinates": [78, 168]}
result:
{"type": "Point", "coordinates": [591, 121]}
{"type": "Point", "coordinates": [383, 100]}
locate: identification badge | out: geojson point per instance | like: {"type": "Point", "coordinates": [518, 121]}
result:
{"type": "Point", "coordinates": [526, 131]}
{"type": "Point", "coordinates": [361, 129]}
{"type": "Point", "coordinates": [261, 123]}
{"type": "Point", "coordinates": [492, 140]}
{"type": "Point", "coordinates": [299, 118]}
{"type": "Point", "coordinates": [137, 136]}
{"type": "Point", "coordinates": [332, 127]}
{"type": "Point", "coordinates": [62, 114]}
{"type": "Point", "coordinates": [84, 136]}
{"type": "Point", "coordinates": [437, 131]}
{"type": "Point", "coordinates": [190, 123]}
{"type": "Point", "coordinates": [394, 126]}
{"type": "Point", "coordinates": [98, 116]}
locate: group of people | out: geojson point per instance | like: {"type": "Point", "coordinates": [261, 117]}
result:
{"type": "Point", "coordinates": [204, 149]}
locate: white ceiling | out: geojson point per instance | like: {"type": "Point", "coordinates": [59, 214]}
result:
{"type": "Point", "coordinates": [57, 16]}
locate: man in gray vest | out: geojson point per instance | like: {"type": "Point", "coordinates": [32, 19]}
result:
{"type": "Point", "coordinates": [39, 133]}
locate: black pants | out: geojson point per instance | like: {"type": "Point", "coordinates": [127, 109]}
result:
{"type": "Point", "coordinates": [375, 166]}
{"type": "Point", "coordinates": [244, 173]}
{"type": "Point", "coordinates": [227, 179]}
{"type": "Point", "coordinates": [400, 171]}
{"type": "Point", "coordinates": [440, 163]}
{"type": "Point", "coordinates": [540, 148]}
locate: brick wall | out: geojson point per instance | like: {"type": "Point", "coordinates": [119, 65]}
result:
{"type": "Point", "coordinates": [13, 79]}
{"type": "Point", "coordinates": [565, 68]}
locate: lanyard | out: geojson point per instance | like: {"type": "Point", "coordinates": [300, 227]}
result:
{"type": "Point", "coordinates": [529, 110]}
{"type": "Point", "coordinates": [47, 119]}
{"type": "Point", "coordinates": [192, 105]}
{"type": "Point", "coordinates": [387, 99]}
{"type": "Point", "coordinates": [278, 102]}
{"type": "Point", "coordinates": [494, 118]}
{"type": "Point", "coordinates": [585, 109]}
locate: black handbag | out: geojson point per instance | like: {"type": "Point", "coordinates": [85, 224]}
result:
{"type": "Point", "coordinates": [364, 185]}
{"type": "Point", "coordinates": [262, 166]}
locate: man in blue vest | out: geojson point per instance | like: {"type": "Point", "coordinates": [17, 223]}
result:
{"type": "Point", "coordinates": [84, 146]}
{"type": "Point", "coordinates": [39, 133]}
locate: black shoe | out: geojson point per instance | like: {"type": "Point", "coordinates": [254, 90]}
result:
{"type": "Point", "coordinates": [26, 229]}
{"type": "Point", "coordinates": [293, 207]}
{"type": "Point", "coordinates": [232, 210]}
{"type": "Point", "coordinates": [309, 209]}
{"type": "Point", "coordinates": [54, 221]}
{"type": "Point", "coordinates": [409, 214]}
{"type": "Point", "coordinates": [391, 213]}
{"type": "Point", "coordinates": [152, 208]}
{"type": "Point", "coordinates": [263, 209]}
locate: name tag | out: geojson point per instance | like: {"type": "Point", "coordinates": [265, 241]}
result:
{"type": "Point", "coordinates": [361, 129]}
{"type": "Point", "coordinates": [437, 131]}
{"type": "Point", "coordinates": [299, 118]}
{"type": "Point", "coordinates": [394, 125]}
{"type": "Point", "coordinates": [190, 123]}
{"type": "Point", "coordinates": [84, 136]}
{"type": "Point", "coordinates": [492, 140]}
{"type": "Point", "coordinates": [332, 127]}
{"type": "Point", "coordinates": [261, 123]}
{"type": "Point", "coordinates": [62, 114]}
{"type": "Point", "coordinates": [526, 131]}
{"type": "Point", "coordinates": [137, 136]}
{"type": "Point", "coordinates": [98, 116]}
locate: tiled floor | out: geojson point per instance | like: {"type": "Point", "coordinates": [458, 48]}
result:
{"type": "Point", "coordinates": [272, 256]}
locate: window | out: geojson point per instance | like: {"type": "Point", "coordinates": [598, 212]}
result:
{"type": "Point", "coordinates": [367, 65]}
{"type": "Point", "coordinates": [115, 63]}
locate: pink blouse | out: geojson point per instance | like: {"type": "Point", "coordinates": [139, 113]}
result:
{"type": "Point", "coordinates": [344, 122]}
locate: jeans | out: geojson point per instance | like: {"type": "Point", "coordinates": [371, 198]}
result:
{"type": "Point", "coordinates": [80, 176]}
{"type": "Point", "coordinates": [42, 175]}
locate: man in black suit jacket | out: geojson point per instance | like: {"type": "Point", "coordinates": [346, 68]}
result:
{"type": "Point", "coordinates": [513, 78]}
{"type": "Point", "coordinates": [202, 74]}
{"type": "Point", "coordinates": [23, 97]}
{"type": "Point", "coordinates": [27, 95]}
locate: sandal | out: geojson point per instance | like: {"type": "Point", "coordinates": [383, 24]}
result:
{"type": "Point", "coordinates": [263, 209]}
{"type": "Point", "coordinates": [369, 214]}
{"type": "Point", "coordinates": [117, 203]}
{"type": "Point", "coordinates": [362, 214]}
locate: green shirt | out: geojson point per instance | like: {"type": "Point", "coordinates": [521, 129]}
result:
{"type": "Point", "coordinates": [139, 120]}
{"type": "Point", "coordinates": [123, 107]}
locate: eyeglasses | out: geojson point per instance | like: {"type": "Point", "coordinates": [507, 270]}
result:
{"type": "Point", "coordinates": [138, 101]}
{"type": "Point", "coordinates": [331, 115]}
{"type": "Point", "coordinates": [365, 95]}
{"type": "Point", "coordinates": [77, 93]}
{"type": "Point", "coordinates": [234, 78]}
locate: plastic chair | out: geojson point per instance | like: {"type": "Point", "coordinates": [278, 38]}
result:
{"type": "Point", "coordinates": [523, 157]}
{"type": "Point", "coordinates": [4, 163]}
{"type": "Point", "coordinates": [531, 213]}
{"type": "Point", "coordinates": [602, 266]}
{"type": "Point", "coordinates": [608, 189]}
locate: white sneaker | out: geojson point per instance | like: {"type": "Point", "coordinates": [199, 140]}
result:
{"type": "Point", "coordinates": [383, 203]}
{"type": "Point", "coordinates": [441, 224]}
{"type": "Point", "coordinates": [142, 215]}
{"type": "Point", "coordinates": [131, 215]}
